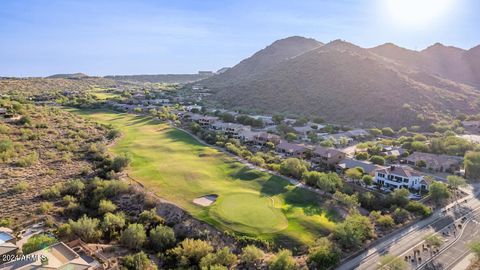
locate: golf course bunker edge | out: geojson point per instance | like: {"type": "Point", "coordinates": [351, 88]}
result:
{"type": "Point", "coordinates": [206, 200]}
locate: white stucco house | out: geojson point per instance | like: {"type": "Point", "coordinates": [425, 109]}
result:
{"type": "Point", "coordinates": [394, 177]}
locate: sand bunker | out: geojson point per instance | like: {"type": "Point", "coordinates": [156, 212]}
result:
{"type": "Point", "coordinates": [206, 200]}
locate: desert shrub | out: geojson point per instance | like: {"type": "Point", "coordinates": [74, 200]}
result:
{"type": "Point", "coordinates": [119, 163]}
{"type": "Point", "coordinates": [86, 228]}
{"type": "Point", "coordinates": [45, 207]}
{"type": "Point", "coordinates": [189, 252]}
{"type": "Point", "coordinates": [51, 193]}
{"type": "Point", "coordinates": [28, 160]}
{"type": "Point", "coordinates": [162, 238]}
{"type": "Point", "coordinates": [73, 187]}
{"type": "Point", "coordinates": [223, 257]}
{"type": "Point", "coordinates": [418, 208]}
{"type": "Point", "coordinates": [20, 187]}
{"type": "Point", "coordinates": [106, 206]}
{"type": "Point", "coordinates": [138, 261]}
{"type": "Point", "coordinates": [37, 242]}
{"type": "Point", "coordinates": [323, 255]}
{"type": "Point", "coordinates": [283, 260]}
{"type": "Point", "coordinates": [134, 236]}
{"type": "Point", "coordinates": [251, 255]}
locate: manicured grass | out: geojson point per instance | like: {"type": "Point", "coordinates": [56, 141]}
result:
{"type": "Point", "coordinates": [259, 217]}
{"type": "Point", "coordinates": [102, 94]}
{"type": "Point", "coordinates": [178, 168]}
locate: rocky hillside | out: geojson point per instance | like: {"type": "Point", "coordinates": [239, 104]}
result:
{"type": "Point", "coordinates": [343, 83]}
{"type": "Point", "coordinates": [446, 61]}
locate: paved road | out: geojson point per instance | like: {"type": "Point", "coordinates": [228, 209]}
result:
{"type": "Point", "coordinates": [458, 250]}
{"type": "Point", "coordinates": [411, 236]}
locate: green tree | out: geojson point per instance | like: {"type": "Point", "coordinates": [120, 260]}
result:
{"type": "Point", "coordinates": [311, 178]}
{"type": "Point", "coordinates": [293, 167]}
{"type": "Point", "coordinates": [330, 182]}
{"type": "Point", "coordinates": [162, 238]}
{"type": "Point", "coordinates": [283, 260]}
{"type": "Point", "coordinates": [291, 136]}
{"type": "Point", "coordinates": [323, 255]}
{"type": "Point", "coordinates": [379, 160]}
{"type": "Point", "coordinates": [134, 236]}
{"type": "Point", "coordinates": [433, 240]}
{"type": "Point", "coordinates": [37, 242]}
{"type": "Point", "coordinates": [375, 131]}
{"type": "Point", "coordinates": [387, 131]}
{"type": "Point", "coordinates": [353, 174]}
{"type": "Point", "coordinates": [353, 231]}
{"type": "Point", "coordinates": [367, 179]}
{"type": "Point", "coordinates": [386, 221]}
{"type": "Point", "coordinates": [361, 156]}
{"type": "Point", "coordinates": [399, 197]}
{"type": "Point", "coordinates": [420, 146]}
{"type": "Point", "coordinates": [472, 165]}
{"type": "Point", "coordinates": [439, 191]}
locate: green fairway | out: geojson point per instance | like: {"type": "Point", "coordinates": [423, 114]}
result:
{"type": "Point", "coordinates": [176, 167]}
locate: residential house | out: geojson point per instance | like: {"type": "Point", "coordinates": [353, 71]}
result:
{"type": "Point", "coordinates": [3, 111]}
{"type": "Point", "coordinates": [337, 138]}
{"type": "Point", "coordinates": [394, 177]}
{"type": "Point", "coordinates": [438, 163]}
{"type": "Point", "coordinates": [230, 129]}
{"type": "Point", "coordinates": [292, 149]}
{"type": "Point", "coordinates": [392, 151]}
{"type": "Point", "coordinates": [56, 256]}
{"type": "Point", "coordinates": [471, 138]}
{"type": "Point", "coordinates": [348, 163]}
{"type": "Point", "coordinates": [7, 245]}
{"type": "Point", "coordinates": [263, 138]}
{"type": "Point", "coordinates": [327, 157]}
{"type": "Point", "coordinates": [267, 120]}
{"type": "Point", "coordinates": [204, 121]}
{"type": "Point", "coordinates": [248, 136]}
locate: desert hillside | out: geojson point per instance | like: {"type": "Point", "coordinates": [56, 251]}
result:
{"type": "Point", "coordinates": [344, 83]}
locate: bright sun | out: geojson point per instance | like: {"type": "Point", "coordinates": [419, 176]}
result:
{"type": "Point", "coordinates": [412, 13]}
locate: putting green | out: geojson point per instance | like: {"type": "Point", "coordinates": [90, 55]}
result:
{"type": "Point", "coordinates": [249, 213]}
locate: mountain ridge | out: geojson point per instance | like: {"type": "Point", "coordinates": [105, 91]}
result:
{"type": "Point", "coordinates": [345, 83]}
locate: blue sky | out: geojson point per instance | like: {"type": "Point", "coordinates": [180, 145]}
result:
{"type": "Point", "coordinates": [40, 38]}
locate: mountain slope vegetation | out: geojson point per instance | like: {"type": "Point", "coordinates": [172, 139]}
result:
{"type": "Point", "coordinates": [344, 83]}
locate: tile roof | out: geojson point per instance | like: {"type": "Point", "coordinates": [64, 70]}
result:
{"type": "Point", "coordinates": [326, 152]}
{"type": "Point", "coordinates": [400, 171]}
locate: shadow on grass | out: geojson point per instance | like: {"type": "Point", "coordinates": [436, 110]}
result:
{"type": "Point", "coordinates": [246, 174]}
{"type": "Point", "coordinates": [286, 241]}
{"type": "Point", "coordinates": [274, 186]}
{"type": "Point", "coordinates": [180, 136]}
